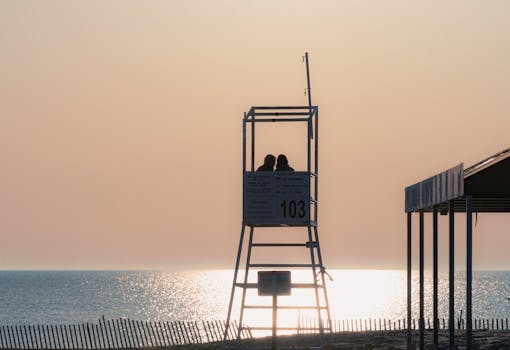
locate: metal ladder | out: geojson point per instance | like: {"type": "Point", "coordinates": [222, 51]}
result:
{"type": "Point", "coordinates": [318, 285]}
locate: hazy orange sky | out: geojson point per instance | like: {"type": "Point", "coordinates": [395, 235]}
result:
{"type": "Point", "coordinates": [120, 123]}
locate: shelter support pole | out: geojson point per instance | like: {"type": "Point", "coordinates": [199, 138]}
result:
{"type": "Point", "coordinates": [435, 277]}
{"type": "Point", "coordinates": [409, 266]}
{"type": "Point", "coordinates": [451, 313]}
{"type": "Point", "coordinates": [469, 271]}
{"type": "Point", "coordinates": [422, 282]}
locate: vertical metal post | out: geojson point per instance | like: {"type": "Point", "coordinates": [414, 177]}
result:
{"type": "Point", "coordinates": [435, 277]}
{"type": "Point", "coordinates": [323, 278]}
{"type": "Point", "coordinates": [309, 151]}
{"type": "Point", "coordinates": [246, 271]}
{"type": "Point", "coordinates": [275, 319]}
{"type": "Point", "coordinates": [469, 271]}
{"type": "Point", "coordinates": [244, 143]}
{"type": "Point", "coordinates": [308, 82]}
{"type": "Point", "coordinates": [451, 313]}
{"type": "Point", "coordinates": [316, 170]}
{"type": "Point", "coordinates": [238, 259]}
{"type": "Point", "coordinates": [409, 265]}
{"type": "Point", "coordinates": [422, 290]}
{"type": "Point", "coordinates": [316, 287]}
{"type": "Point", "coordinates": [253, 143]}
{"type": "Point", "coordinates": [244, 165]}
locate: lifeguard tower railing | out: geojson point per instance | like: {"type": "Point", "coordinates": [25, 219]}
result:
{"type": "Point", "coordinates": [282, 199]}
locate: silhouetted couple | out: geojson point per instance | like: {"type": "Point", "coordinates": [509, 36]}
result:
{"type": "Point", "coordinates": [282, 164]}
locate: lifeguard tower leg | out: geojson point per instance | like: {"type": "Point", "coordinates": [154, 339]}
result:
{"type": "Point", "coordinates": [316, 287]}
{"type": "Point", "coordinates": [239, 250]}
{"type": "Point", "coordinates": [319, 254]}
{"type": "Point", "coordinates": [248, 257]}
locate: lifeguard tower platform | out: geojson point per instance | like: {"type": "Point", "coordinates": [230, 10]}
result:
{"type": "Point", "coordinates": [277, 200]}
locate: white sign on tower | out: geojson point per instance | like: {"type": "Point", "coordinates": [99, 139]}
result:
{"type": "Point", "coordinates": [277, 198]}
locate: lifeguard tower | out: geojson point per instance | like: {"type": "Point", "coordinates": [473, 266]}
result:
{"type": "Point", "coordinates": [277, 200]}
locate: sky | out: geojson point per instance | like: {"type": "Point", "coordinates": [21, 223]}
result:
{"type": "Point", "coordinates": [121, 124]}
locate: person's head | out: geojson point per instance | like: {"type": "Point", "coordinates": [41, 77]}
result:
{"type": "Point", "coordinates": [282, 160]}
{"type": "Point", "coordinates": [269, 160]}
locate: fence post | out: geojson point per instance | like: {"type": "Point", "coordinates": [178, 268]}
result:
{"type": "Point", "coordinates": [162, 332]}
{"type": "Point", "coordinates": [57, 342]}
{"type": "Point", "coordinates": [171, 331]}
{"type": "Point", "coordinates": [141, 332]}
{"type": "Point", "coordinates": [62, 337]}
{"type": "Point", "coordinates": [118, 340]}
{"type": "Point", "coordinates": [28, 342]}
{"type": "Point", "coordinates": [81, 330]}
{"type": "Point", "coordinates": [20, 346]}
{"type": "Point", "coordinates": [125, 332]}
{"type": "Point", "coordinates": [213, 331]}
{"type": "Point", "coordinates": [75, 337]}
{"type": "Point", "coordinates": [100, 333]}
{"type": "Point", "coordinates": [165, 330]}
{"type": "Point", "coordinates": [9, 337]}
{"type": "Point", "coordinates": [105, 331]}
{"type": "Point", "coordinates": [118, 332]}
{"type": "Point", "coordinates": [154, 330]}
{"type": "Point", "coordinates": [175, 332]}
{"type": "Point", "coordinates": [3, 337]}
{"type": "Point", "coordinates": [146, 333]}
{"type": "Point", "coordinates": [132, 330]}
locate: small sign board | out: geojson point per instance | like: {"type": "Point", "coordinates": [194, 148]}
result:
{"type": "Point", "coordinates": [276, 198]}
{"type": "Point", "coordinates": [274, 283]}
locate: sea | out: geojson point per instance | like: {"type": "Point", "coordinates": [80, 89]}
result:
{"type": "Point", "coordinates": [70, 297]}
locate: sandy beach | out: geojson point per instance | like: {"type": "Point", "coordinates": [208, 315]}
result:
{"type": "Point", "coordinates": [483, 339]}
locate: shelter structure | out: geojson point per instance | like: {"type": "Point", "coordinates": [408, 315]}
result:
{"type": "Point", "coordinates": [273, 201]}
{"type": "Point", "coordinates": [481, 188]}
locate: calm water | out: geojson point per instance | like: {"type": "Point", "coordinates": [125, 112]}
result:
{"type": "Point", "coordinates": [51, 297]}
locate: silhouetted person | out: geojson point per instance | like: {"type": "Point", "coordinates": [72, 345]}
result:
{"type": "Point", "coordinates": [282, 164]}
{"type": "Point", "coordinates": [268, 163]}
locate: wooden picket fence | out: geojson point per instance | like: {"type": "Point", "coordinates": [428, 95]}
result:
{"type": "Point", "coordinates": [373, 324]}
{"type": "Point", "coordinates": [125, 333]}
{"type": "Point", "coordinates": [119, 333]}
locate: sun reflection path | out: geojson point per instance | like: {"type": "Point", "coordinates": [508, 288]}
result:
{"type": "Point", "coordinates": [203, 295]}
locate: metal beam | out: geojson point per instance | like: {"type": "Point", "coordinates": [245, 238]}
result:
{"type": "Point", "coordinates": [276, 114]}
{"type": "Point", "coordinates": [281, 107]}
{"type": "Point", "coordinates": [279, 245]}
{"type": "Point", "coordinates": [422, 283]}
{"type": "Point", "coordinates": [247, 269]}
{"type": "Point", "coordinates": [285, 265]}
{"type": "Point", "coordinates": [469, 272]}
{"type": "Point", "coordinates": [238, 259]}
{"type": "Point", "coordinates": [274, 120]}
{"type": "Point", "coordinates": [292, 285]}
{"type": "Point", "coordinates": [451, 275]}
{"type": "Point", "coordinates": [435, 277]}
{"type": "Point", "coordinates": [409, 265]}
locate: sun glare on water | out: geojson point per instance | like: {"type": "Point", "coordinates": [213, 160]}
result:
{"type": "Point", "coordinates": [352, 294]}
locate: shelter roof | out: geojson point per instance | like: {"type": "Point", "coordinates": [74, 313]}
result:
{"type": "Point", "coordinates": [488, 182]}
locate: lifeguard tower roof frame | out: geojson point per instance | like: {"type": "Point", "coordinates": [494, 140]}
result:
{"type": "Point", "coordinates": [281, 199]}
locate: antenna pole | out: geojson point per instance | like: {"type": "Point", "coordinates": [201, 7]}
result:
{"type": "Point", "coordinates": [308, 82]}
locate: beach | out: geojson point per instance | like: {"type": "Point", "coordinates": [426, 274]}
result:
{"type": "Point", "coordinates": [483, 339]}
